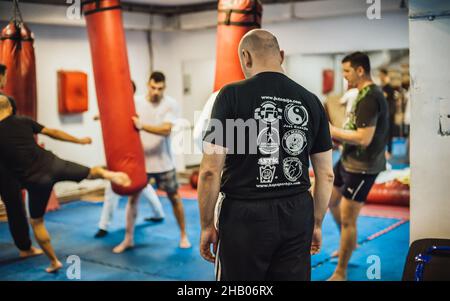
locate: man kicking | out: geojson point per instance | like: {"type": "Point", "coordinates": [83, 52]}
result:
{"type": "Point", "coordinates": [37, 170]}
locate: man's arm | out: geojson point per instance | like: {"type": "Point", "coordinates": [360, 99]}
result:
{"type": "Point", "coordinates": [323, 171]}
{"type": "Point", "coordinates": [163, 129]}
{"type": "Point", "coordinates": [63, 136]}
{"type": "Point", "coordinates": [362, 136]}
{"type": "Point", "coordinates": [208, 192]}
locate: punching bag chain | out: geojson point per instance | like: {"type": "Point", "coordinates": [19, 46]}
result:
{"type": "Point", "coordinates": [17, 15]}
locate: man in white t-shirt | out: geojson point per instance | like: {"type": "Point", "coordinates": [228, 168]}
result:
{"type": "Point", "coordinates": [112, 199]}
{"type": "Point", "coordinates": [157, 116]}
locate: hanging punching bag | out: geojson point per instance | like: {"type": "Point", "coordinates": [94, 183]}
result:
{"type": "Point", "coordinates": [123, 147]}
{"type": "Point", "coordinates": [235, 19]}
{"type": "Point", "coordinates": [17, 53]}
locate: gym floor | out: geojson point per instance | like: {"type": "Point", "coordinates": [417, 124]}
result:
{"type": "Point", "coordinates": [383, 232]}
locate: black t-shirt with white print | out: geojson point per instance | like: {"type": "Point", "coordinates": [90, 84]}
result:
{"type": "Point", "coordinates": [269, 125]}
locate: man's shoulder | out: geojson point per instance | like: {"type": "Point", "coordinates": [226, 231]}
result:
{"type": "Point", "coordinates": [376, 89]}
{"type": "Point", "coordinates": [376, 94]}
{"type": "Point", "coordinates": [17, 120]}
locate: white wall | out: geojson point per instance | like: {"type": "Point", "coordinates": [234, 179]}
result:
{"type": "Point", "coordinates": [312, 36]}
{"type": "Point", "coordinates": [430, 152]}
{"type": "Point", "coordinates": [307, 70]}
{"type": "Point", "coordinates": [67, 48]}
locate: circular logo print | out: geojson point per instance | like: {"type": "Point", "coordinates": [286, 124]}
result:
{"type": "Point", "coordinates": [296, 115]}
{"type": "Point", "coordinates": [292, 168]}
{"type": "Point", "coordinates": [268, 112]}
{"type": "Point", "coordinates": [294, 142]}
{"type": "Point", "coordinates": [268, 140]}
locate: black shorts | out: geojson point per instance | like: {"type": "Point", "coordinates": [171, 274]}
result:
{"type": "Point", "coordinates": [166, 181]}
{"type": "Point", "coordinates": [40, 185]}
{"type": "Point", "coordinates": [353, 186]}
{"type": "Point", "coordinates": [266, 239]}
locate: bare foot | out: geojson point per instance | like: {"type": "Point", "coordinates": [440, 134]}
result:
{"type": "Point", "coordinates": [337, 277]}
{"type": "Point", "coordinates": [54, 267]}
{"type": "Point", "coordinates": [123, 246]}
{"type": "Point", "coordinates": [184, 242]}
{"type": "Point", "coordinates": [118, 178]}
{"type": "Point", "coordinates": [30, 253]}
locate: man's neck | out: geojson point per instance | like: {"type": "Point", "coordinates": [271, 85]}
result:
{"type": "Point", "coordinates": [154, 102]}
{"type": "Point", "coordinates": [3, 116]}
{"type": "Point", "coordinates": [276, 69]}
{"type": "Point", "coordinates": [364, 83]}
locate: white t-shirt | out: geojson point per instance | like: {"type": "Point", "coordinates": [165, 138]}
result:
{"type": "Point", "coordinates": [157, 150]}
{"type": "Point", "coordinates": [203, 120]}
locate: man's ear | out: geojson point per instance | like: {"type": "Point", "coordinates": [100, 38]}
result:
{"type": "Point", "coordinates": [360, 71]}
{"type": "Point", "coordinates": [282, 57]}
{"type": "Point", "coordinates": [248, 60]}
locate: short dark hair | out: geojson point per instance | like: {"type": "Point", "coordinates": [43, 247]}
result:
{"type": "Point", "coordinates": [133, 85]}
{"type": "Point", "coordinates": [358, 59]}
{"type": "Point", "coordinates": [157, 77]}
{"type": "Point", "coordinates": [2, 69]}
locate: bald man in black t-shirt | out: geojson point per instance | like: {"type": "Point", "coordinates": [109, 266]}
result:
{"type": "Point", "coordinates": [268, 224]}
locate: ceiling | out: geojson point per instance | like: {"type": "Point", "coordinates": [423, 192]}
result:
{"type": "Point", "coordinates": [166, 2]}
{"type": "Point", "coordinates": [163, 7]}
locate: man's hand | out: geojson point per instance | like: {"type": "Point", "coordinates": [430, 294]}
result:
{"type": "Point", "coordinates": [85, 140]}
{"type": "Point", "coordinates": [209, 237]}
{"type": "Point", "coordinates": [137, 123]}
{"type": "Point", "coordinates": [316, 240]}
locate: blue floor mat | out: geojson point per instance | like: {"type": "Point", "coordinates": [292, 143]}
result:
{"type": "Point", "coordinates": [391, 249]}
{"type": "Point", "coordinates": [156, 255]}
{"type": "Point", "coordinates": [330, 235]}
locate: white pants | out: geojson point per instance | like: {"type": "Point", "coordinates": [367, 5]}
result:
{"type": "Point", "coordinates": [112, 200]}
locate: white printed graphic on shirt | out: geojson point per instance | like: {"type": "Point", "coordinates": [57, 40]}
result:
{"type": "Point", "coordinates": [268, 161]}
{"type": "Point", "coordinates": [296, 115]}
{"type": "Point", "coordinates": [267, 169]}
{"type": "Point", "coordinates": [268, 112]}
{"type": "Point", "coordinates": [292, 168]}
{"type": "Point", "coordinates": [294, 142]}
{"type": "Point", "coordinates": [294, 119]}
{"type": "Point", "coordinates": [268, 140]}
{"type": "Point", "coordinates": [266, 174]}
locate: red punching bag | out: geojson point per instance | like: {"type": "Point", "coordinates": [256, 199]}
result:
{"type": "Point", "coordinates": [392, 193]}
{"type": "Point", "coordinates": [123, 147]}
{"type": "Point", "coordinates": [327, 81]}
{"type": "Point", "coordinates": [17, 53]}
{"type": "Point", "coordinates": [235, 19]}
